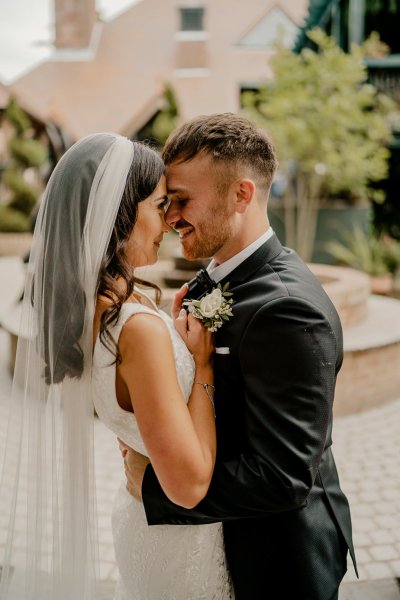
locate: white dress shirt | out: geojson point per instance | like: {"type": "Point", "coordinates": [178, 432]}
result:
{"type": "Point", "coordinates": [219, 271]}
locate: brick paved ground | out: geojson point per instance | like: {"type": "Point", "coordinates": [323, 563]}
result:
{"type": "Point", "coordinates": [367, 451]}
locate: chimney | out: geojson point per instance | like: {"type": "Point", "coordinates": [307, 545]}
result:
{"type": "Point", "coordinates": [74, 21]}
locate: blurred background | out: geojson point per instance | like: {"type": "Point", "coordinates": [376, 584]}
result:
{"type": "Point", "coordinates": [323, 77]}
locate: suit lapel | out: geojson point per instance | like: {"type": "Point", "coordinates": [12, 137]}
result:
{"type": "Point", "coordinates": [265, 254]}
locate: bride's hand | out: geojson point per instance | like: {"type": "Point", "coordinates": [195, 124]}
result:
{"type": "Point", "coordinates": [197, 338]}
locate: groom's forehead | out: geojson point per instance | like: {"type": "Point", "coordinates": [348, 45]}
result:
{"type": "Point", "coordinates": [176, 191]}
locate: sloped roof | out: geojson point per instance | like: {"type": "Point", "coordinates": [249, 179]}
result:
{"type": "Point", "coordinates": [118, 85]}
{"type": "Point", "coordinates": [80, 95]}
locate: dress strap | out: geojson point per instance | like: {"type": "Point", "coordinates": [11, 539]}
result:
{"type": "Point", "coordinates": [132, 308]}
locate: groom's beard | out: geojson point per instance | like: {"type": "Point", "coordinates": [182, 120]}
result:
{"type": "Point", "coordinates": [208, 236]}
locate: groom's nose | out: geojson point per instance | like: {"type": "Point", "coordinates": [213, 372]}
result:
{"type": "Point", "coordinates": [173, 214]}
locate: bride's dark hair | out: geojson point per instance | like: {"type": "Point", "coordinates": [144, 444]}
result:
{"type": "Point", "coordinates": [143, 177]}
{"type": "Point", "coordinates": [63, 305]}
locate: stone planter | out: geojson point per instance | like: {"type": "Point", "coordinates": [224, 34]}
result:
{"type": "Point", "coordinates": [347, 288]}
{"type": "Point", "coordinates": [381, 284]}
{"type": "Point", "coordinates": [15, 244]}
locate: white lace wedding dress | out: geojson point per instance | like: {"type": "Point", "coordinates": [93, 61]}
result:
{"type": "Point", "coordinates": [161, 562]}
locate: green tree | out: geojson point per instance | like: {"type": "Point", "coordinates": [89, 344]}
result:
{"type": "Point", "coordinates": [330, 129]}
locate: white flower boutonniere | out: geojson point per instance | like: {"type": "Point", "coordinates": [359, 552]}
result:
{"type": "Point", "coordinates": [213, 309]}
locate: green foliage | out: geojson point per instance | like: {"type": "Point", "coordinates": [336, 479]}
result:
{"type": "Point", "coordinates": [24, 152]}
{"type": "Point", "coordinates": [166, 120]}
{"type": "Point", "coordinates": [330, 128]}
{"type": "Point", "coordinates": [17, 117]}
{"type": "Point", "coordinates": [371, 254]}
{"type": "Point", "coordinates": [323, 115]}
{"type": "Point", "coordinates": [376, 6]}
{"type": "Point", "coordinates": [13, 220]}
{"type": "Point", "coordinates": [28, 152]}
{"type": "Point", "coordinates": [24, 196]}
{"type": "Point", "coordinates": [162, 127]}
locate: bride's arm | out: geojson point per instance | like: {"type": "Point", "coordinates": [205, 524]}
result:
{"type": "Point", "coordinates": [180, 439]}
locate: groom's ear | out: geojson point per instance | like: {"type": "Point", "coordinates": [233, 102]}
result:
{"type": "Point", "coordinates": [245, 191]}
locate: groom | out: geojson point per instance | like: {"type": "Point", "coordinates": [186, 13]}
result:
{"type": "Point", "coordinates": [287, 524]}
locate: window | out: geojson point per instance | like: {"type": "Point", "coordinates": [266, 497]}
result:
{"type": "Point", "coordinates": [192, 19]}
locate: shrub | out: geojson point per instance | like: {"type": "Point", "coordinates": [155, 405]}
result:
{"type": "Point", "coordinates": [25, 152]}
{"type": "Point", "coordinates": [13, 221]}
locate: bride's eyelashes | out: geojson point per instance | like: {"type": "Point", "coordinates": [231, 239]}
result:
{"type": "Point", "coordinates": [164, 204]}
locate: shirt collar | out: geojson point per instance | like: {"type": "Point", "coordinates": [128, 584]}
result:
{"type": "Point", "coordinates": [219, 272]}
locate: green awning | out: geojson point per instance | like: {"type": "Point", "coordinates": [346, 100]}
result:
{"type": "Point", "coordinates": [319, 13]}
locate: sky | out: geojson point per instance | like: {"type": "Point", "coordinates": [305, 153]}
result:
{"type": "Point", "coordinates": [26, 32]}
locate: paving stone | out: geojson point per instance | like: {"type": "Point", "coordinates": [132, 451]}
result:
{"type": "Point", "coordinates": [363, 539]}
{"type": "Point", "coordinates": [370, 489]}
{"type": "Point", "coordinates": [390, 494]}
{"type": "Point", "coordinates": [362, 524]}
{"type": "Point", "coordinates": [387, 521]}
{"type": "Point", "coordinates": [381, 536]}
{"type": "Point", "coordinates": [371, 497]}
{"type": "Point", "coordinates": [364, 510]}
{"type": "Point", "coordinates": [383, 552]}
{"type": "Point", "coordinates": [363, 556]}
{"type": "Point", "coordinates": [387, 508]}
{"type": "Point", "coordinates": [386, 589]}
{"type": "Point", "coordinates": [378, 570]}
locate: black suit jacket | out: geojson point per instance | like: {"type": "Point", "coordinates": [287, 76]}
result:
{"type": "Point", "coordinates": [275, 486]}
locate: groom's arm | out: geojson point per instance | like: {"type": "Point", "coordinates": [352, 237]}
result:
{"type": "Point", "coordinates": [289, 357]}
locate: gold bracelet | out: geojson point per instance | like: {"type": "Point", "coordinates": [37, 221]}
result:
{"type": "Point", "coordinates": [206, 386]}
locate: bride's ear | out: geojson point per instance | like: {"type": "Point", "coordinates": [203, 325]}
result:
{"type": "Point", "coordinates": [245, 192]}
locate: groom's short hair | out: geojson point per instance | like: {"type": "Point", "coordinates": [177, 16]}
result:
{"type": "Point", "coordinates": [232, 141]}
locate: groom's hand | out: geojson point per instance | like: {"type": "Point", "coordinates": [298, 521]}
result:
{"type": "Point", "coordinates": [135, 465]}
{"type": "Point", "coordinates": [177, 303]}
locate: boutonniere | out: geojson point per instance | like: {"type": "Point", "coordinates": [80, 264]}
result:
{"type": "Point", "coordinates": [214, 309]}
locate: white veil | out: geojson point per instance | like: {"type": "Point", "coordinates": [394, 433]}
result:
{"type": "Point", "coordinates": [47, 492]}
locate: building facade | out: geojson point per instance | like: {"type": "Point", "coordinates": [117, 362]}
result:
{"type": "Point", "coordinates": [110, 76]}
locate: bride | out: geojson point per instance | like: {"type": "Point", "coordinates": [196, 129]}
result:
{"type": "Point", "coordinates": [90, 335]}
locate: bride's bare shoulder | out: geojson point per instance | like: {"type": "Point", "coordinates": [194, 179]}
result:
{"type": "Point", "coordinates": [144, 342]}
{"type": "Point", "coordinates": [142, 331]}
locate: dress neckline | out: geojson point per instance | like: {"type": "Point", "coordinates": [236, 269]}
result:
{"type": "Point", "coordinates": [143, 295]}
